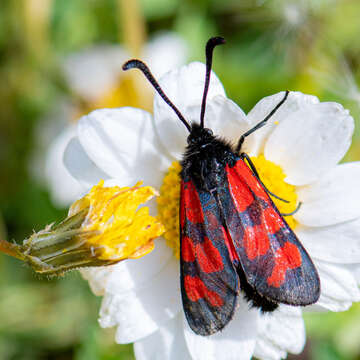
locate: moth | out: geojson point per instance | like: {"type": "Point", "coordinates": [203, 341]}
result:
{"type": "Point", "coordinates": [233, 239]}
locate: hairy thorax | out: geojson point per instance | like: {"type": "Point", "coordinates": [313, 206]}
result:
{"type": "Point", "coordinates": [205, 158]}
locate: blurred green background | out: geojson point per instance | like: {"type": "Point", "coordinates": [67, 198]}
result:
{"type": "Point", "coordinates": [308, 45]}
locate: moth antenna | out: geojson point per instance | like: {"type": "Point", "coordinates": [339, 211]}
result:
{"type": "Point", "coordinates": [138, 64]}
{"type": "Point", "coordinates": [210, 45]}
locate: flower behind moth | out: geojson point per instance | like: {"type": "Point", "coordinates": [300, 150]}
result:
{"type": "Point", "coordinates": [102, 228]}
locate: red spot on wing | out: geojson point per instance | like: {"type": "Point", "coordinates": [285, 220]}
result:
{"type": "Point", "coordinates": [272, 220]}
{"type": "Point", "coordinates": [287, 257]}
{"type": "Point", "coordinates": [209, 257]}
{"type": "Point", "coordinates": [196, 290]}
{"type": "Point", "coordinates": [190, 204]}
{"type": "Point", "coordinates": [241, 173]}
{"type": "Point", "coordinates": [256, 241]}
{"type": "Point", "coordinates": [242, 197]}
{"type": "Point", "coordinates": [187, 249]}
{"type": "Point", "coordinates": [206, 254]}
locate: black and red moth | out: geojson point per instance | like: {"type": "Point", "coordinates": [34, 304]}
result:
{"type": "Point", "coordinates": [232, 236]}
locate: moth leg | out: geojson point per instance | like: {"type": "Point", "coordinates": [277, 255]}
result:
{"type": "Point", "coordinates": [246, 157]}
{"type": "Point", "coordinates": [261, 123]}
{"type": "Point", "coordinates": [293, 212]}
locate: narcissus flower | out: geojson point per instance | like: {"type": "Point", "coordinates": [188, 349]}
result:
{"type": "Point", "coordinates": [297, 155]}
{"type": "Point", "coordinates": [102, 228]}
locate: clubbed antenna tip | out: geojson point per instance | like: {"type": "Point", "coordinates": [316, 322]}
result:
{"type": "Point", "coordinates": [138, 64]}
{"type": "Point", "coordinates": [210, 45]}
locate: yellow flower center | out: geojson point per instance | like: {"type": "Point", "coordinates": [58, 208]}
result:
{"type": "Point", "coordinates": [168, 207]}
{"type": "Point", "coordinates": [169, 200]}
{"type": "Point", "coordinates": [116, 224]}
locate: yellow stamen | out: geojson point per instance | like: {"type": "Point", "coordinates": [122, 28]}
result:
{"type": "Point", "coordinates": [168, 207]}
{"type": "Point", "coordinates": [169, 200]}
{"type": "Point", "coordinates": [117, 226]}
{"type": "Point", "coordinates": [102, 228]}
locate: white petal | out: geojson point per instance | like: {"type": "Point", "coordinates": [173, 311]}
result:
{"type": "Point", "coordinates": [80, 166]}
{"type": "Point", "coordinates": [266, 350]}
{"type": "Point", "coordinates": [327, 303]}
{"type": "Point", "coordinates": [129, 274]}
{"type": "Point", "coordinates": [294, 102]}
{"type": "Point", "coordinates": [168, 343]}
{"type": "Point", "coordinates": [141, 312]}
{"type": "Point", "coordinates": [310, 141]}
{"type": "Point", "coordinates": [225, 118]}
{"type": "Point", "coordinates": [280, 332]}
{"type": "Point", "coordinates": [94, 71]}
{"type": "Point", "coordinates": [122, 143]}
{"type": "Point", "coordinates": [64, 188]}
{"type": "Point", "coordinates": [332, 199]}
{"type": "Point", "coordinates": [355, 269]}
{"type": "Point", "coordinates": [338, 286]}
{"type": "Point", "coordinates": [184, 87]}
{"type": "Point", "coordinates": [235, 342]}
{"type": "Point", "coordinates": [97, 277]}
{"type": "Point", "coordinates": [164, 52]}
{"type": "Point", "coordinates": [138, 273]}
{"type": "Point", "coordinates": [337, 243]}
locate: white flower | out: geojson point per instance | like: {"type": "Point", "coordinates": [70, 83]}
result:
{"type": "Point", "coordinates": [305, 138]}
{"type": "Point", "coordinates": [94, 75]}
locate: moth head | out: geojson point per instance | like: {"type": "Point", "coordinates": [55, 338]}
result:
{"type": "Point", "coordinates": [199, 135]}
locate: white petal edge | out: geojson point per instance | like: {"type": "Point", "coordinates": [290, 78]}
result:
{"type": "Point", "coordinates": [336, 244]}
{"type": "Point", "coordinates": [265, 350]}
{"type": "Point", "coordinates": [235, 342]}
{"type": "Point", "coordinates": [122, 143]}
{"type": "Point", "coordinates": [80, 166]}
{"type": "Point", "coordinates": [339, 287]}
{"type": "Point", "coordinates": [168, 343]}
{"type": "Point", "coordinates": [129, 274]}
{"type": "Point", "coordinates": [140, 312]}
{"type": "Point", "coordinates": [280, 332]}
{"type": "Point", "coordinates": [333, 199]}
{"type": "Point", "coordinates": [310, 141]}
{"type": "Point", "coordinates": [355, 269]}
{"type": "Point", "coordinates": [64, 188]}
{"type": "Point", "coordinates": [295, 101]}
{"type": "Point", "coordinates": [184, 86]}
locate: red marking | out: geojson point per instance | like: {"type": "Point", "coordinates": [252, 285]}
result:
{"type": "Point", "coordinates": [196, 290]}
{"type": "Point", "coordinates": [209, 257]}
{"type": "Point", "coordinates": [287, 257]}
{"type": "Point", "coordinates": [273, 222]}
{"type": "Point", "coordinates": [252, 182]}
{"type": "Point", "coordinates": [256, 241]}
{"type": "Point", "coordinates": [239, 190]}
{"type": "Point", "coordinates": [230, 245]}
{"type": "Point", "coordinates": [187, 249]}
{"type": "Point", "coordinates": [191, 204]}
